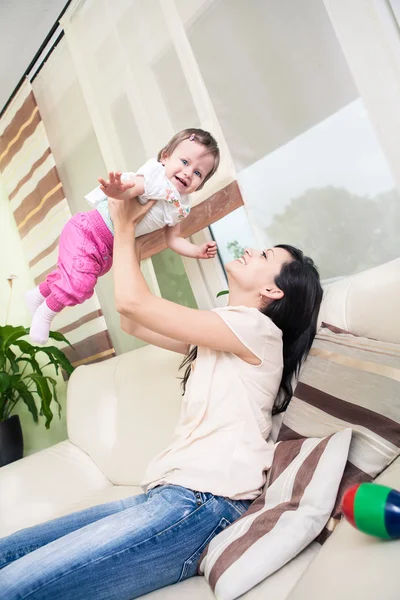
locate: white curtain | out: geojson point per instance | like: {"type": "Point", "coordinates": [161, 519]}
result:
{"type": "Point", "coordinates": [268, 78]}
{"type": "Point", "coordinates": [110, 101]}
{"type": "Point", "coordinates": [310, 166]}
{"type": "Point", "coordinates": [140, 81]}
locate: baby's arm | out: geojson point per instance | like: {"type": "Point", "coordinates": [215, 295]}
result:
{"type": "Point", "coordinates": [185, 248]}
{"type": "Point", "coordinates": [115, 188]}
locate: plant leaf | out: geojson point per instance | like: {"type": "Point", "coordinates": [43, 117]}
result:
{"type": "Point", "coordinates": [28, 398]}
{"type": "Point", "coordinates": [15, 386]}
{"type": "Point", "coordinates": [15, 379]}
{"type": "Point", "coordinates": [222, 293]}
{"type": "Point", "coordinates": [44, 393]}
{"type": "Point", "coordinates": [25, 347]}
{"type": "Point", "coordinates": [55, 397]}
{"type": "Point", "coordinates": [57, 358]}
{"type": "Point", "coordinates": [9, 334]}
{"type": "Point", "coordinates": [7, 403]}
{"type": "Point", "coordinates": [32, 361]}
{"type": "Point", "coordinates": [5, 381]}
{"type": "Point", "coordinates": [13, 363]}
{"type": "Point", "coordinates": [59, 337]}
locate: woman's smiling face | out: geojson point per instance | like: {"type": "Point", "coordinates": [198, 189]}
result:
{"type": "Point", "coordinates": [256, 270]}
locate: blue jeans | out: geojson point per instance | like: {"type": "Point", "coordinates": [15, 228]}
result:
{"type": "Point", "coordinates": [115, 551]}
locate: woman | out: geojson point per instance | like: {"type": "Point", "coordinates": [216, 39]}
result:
{"type": "Point", "coordinates": [241, 357]}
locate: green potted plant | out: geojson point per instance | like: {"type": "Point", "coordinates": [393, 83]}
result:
{"type": "Point", "coordinates": [23, 379]}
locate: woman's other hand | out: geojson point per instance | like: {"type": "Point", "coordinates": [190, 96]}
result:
{"type": "Point", "coordinates": [128, 212]}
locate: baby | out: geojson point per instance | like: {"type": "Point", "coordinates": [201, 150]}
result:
{"type": "Point", "coordinates": [183, 166]}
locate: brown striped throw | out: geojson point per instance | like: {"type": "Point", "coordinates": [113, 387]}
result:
{"type": "Point", "coordinates": [349, 381]}
{"type": "Point", "coordinates": [41, 210]}
{"type": "Point", "coordinates": [295, 504]}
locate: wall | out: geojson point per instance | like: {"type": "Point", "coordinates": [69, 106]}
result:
{"type": "Point", "coordinates": [36, 436]}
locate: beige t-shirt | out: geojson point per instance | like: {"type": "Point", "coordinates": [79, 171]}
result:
{"type": "Point", "coordinates": [219, 445]}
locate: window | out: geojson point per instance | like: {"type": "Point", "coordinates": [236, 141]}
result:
{"type": "Point", "coordinates": [311, 170]}
{"type": "Point", "coordinates": [233, 233]}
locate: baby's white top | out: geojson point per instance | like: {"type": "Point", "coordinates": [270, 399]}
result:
{"type": "Point", "coordinates": [171, 208]}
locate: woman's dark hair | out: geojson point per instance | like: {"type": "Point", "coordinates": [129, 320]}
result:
{"type": "Point", "coordinates": [295, 314]}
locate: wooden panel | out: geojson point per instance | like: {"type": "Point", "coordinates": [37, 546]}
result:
{"type": "Point", "coordinates": [204, 214]}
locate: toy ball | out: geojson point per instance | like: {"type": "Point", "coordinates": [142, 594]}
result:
{"type": "Point", "coordinates": [373, 509]}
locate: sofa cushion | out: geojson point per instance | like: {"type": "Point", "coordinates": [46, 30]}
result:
{"type": "Point", "coordinates": [276, 587]}
{"type": "Point", "coordinates": [123, 411]}
{"type": "Point", "coordinates": [366, 303]}
{"type": "Point", "coordinates": [353, 565]}
{"type": "Point", "coordinates": [292, 510]}
{"type": "Point", "coordinates": [45, 485]}
{"type": "Point", "coordinates": [349, 381]}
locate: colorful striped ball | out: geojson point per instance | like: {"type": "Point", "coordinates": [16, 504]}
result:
{"type": "Point", "coordinates": [373, 509]}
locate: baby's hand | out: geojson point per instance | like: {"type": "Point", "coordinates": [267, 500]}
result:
{"type": "Point", "coordinates": [114, 187]}
{"type": "Point", "coordinates": [208, 250]}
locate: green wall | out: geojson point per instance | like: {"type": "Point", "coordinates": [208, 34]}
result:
{"type": "Point", "coordinates": [12, 262]}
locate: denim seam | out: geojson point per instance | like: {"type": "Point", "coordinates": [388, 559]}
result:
{"type": "Point", "coordinates": [117, 553]}
{"type": "Point", "coordinates": [21, 552]}
{"type": "Point", "coordinates": [232, 505]}
{"type": "Point", "coordinates": [189, 561]}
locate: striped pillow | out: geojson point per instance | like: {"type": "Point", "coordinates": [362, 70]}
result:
{"type": "Point", "coordinates": [296, 502]}
{"type": "Point", "coordinates": [349, 381]}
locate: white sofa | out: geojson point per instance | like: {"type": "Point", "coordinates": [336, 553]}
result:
{"type": "Point", "coordinates": [122, 412]}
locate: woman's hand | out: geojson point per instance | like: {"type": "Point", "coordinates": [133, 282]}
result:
{"type": "Point", "coordinates": [128, 212]}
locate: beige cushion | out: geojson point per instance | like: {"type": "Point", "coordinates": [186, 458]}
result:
{"type": "Point", "coordinates": [55, 482]}
{"type": "Point", "coordinates": [350, 381]}
{"type": "Point", "coordinates": [366, 304]}
{"type": "Point", "coordinates": [352, 565]}
{"type": "Point", "coordinates": [292, 510]}
{"type": "Point", "coordinates": [276, 587]}
{"type": "Point", "coordinates": [45, 485]}
{"type": "Point", "coordinates": [107, 494]}
{"type": "Point", "coordinates": [331, 578]}
{"type": "Point", "coordinates": [122, 412]}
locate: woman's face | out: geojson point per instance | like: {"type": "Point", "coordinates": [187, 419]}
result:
{"type": "Point", "coordinates": [255, 271]}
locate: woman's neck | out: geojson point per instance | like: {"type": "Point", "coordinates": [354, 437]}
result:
{"type": "Point", "coordinates": [239, 298]}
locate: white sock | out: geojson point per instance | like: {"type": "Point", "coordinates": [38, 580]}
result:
{"type": "Point", "coordinates": [34, 299]}
{"type": "Point", "coordinates": [41, 324]}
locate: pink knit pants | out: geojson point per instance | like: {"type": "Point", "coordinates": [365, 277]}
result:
{"type": "Point", "coordinates": [84, 254]}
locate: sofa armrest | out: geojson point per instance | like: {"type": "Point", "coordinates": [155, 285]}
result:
{"type": "Point", "coordinates": [46, 484]}
{"type": "Point", "coordinates": [353, 565]}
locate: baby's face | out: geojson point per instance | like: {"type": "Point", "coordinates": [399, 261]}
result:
{"type": "Point", "coordinates": [188, 166]}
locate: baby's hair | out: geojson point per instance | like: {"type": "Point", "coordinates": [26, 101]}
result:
{"type": "Point", "coordinates": [196, 135]}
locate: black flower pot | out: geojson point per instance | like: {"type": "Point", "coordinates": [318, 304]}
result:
{"type": "Point", "coordinates": [11, 441]}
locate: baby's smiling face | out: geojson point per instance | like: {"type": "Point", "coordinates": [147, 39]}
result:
{"type": "Point", "coordinates": [188, 166]}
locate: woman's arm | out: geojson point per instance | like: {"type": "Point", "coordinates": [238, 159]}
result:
{"type": "Point", "coordinates": [146, 335]}
{"type": "Point", "coordinates": [135, 301]}
{"type": "Point", "coordinates": [178, 244]}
